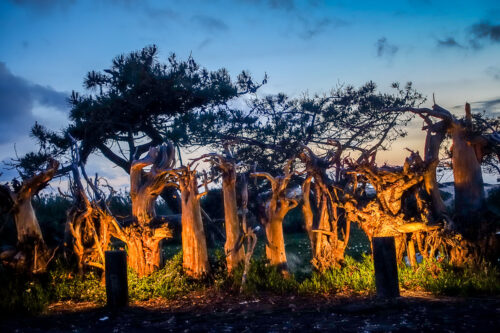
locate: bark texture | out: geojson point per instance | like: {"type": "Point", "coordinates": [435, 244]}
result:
{"type": "Point", "coordinates": [194, 245]}
{"type": "Point", "coordinates": [92, 226]}
{"type": "Point", "coordinates": [328, 246]}
{"type": "Point", "coordinates": [277, 206]}
{"type": "Point", "coordinates": [31, 253]}
{"type": "Point", "coordinates": [235, 253]}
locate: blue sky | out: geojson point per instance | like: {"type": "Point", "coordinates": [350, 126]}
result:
{"type": "Point", "coordinates": [450, 48]}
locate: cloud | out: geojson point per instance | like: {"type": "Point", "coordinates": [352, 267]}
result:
{"type": "Point", "coordinates": [313, 28]}
{"type": "Point", "coordinates": [449, 42]}
{"type": "Point", "coordinates": [477, 35]}
{"type": "Point", "coordinates": [485, 31]}
{"type": "Point", "coordinates": [385, 49]}
{"type": "Point", "coordinates": [491, 106]}
{"type": "Point", "coordinates": [204, 43]}
{"type": "Point", "coordinates": [18, 98]}
{"type": "Point", "coordinates": [494, 72]}
{"type": "Point", "coordinates": [210, 23]}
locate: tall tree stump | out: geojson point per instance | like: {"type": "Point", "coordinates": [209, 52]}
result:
{"type": "Point", "coordinates": [386, 269]}
{"type": "Point", "coordinates": [116, 279]}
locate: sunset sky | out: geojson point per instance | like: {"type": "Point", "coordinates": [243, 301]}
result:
{"type": "Point", "coordinates": [450, 48]}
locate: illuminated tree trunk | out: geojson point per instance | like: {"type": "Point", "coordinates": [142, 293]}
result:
{"type": "Point", "coordinates": [233, 248]}
{"type": "Point", "coordinates": [277, 207]}
{"type": "Point", "coordinates": [469, 186]}
{"type": "Point", "coordinates": [194, 246]}
{"type": "Point", "coordinates": [31, 251]}
{"type": "Point", "coordinates": [143, 242]}
{"type": "Point", "coordinates": [326, 245]}
{"type": "Point", "coordinates": [435, 136]}
{"type": "Point", "coordinates": [307, 210]}
{"type": "Point", "coordinates": [235, 253]}
{"type": "Point", "coordinates": [275, 247]}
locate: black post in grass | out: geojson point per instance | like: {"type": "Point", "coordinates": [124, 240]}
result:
{"type": "Point", "coordinates": [116, 278]}
{"type": "Point", "coordinates": [386, 268]}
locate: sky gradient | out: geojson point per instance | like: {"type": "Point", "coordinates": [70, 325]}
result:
{"type": "Point", "coordinates": [450, 48]}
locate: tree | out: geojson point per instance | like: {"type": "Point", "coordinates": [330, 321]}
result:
{"type": "Point", "coordinates": [474, 140]}
{"type": "Point", "coordinates": [92, 226]}
{"type": "Point", "coordinates": [194, 244]}
{"type": "Point", "coordinates": [276, 208]}
{"type": "Point", "coordinates": [346, 122]}
{"type": "Point", "coordinates": [138, 103]}
{"type": "Point", "coordinates": [273, 129]}
{"type": "Point", "coordinates": [31, 253]}
{"type": "Point", "coordinates": [235, 253]}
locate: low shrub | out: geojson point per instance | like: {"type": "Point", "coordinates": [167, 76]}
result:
{"type": "Point", "coordinates": [67, 285]}
{"type": "Point", "coordinates": [440, 278]}
{"type": "Point", "coordinates": [355, 276]}
{"type": "Point", "coordinates": [20, 294]}
{"type": "Point", "coordinates": [168, 282]}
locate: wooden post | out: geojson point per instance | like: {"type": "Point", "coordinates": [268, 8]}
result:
{"type": "Point", "coordinates": [386, 269]}
{"type": "Point", "coordinates": [116, 278]}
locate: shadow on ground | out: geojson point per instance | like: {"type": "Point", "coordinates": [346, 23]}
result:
{"type": "Point", "coordinates": [215, 312]}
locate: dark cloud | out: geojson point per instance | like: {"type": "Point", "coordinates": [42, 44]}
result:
{"type": "Point", "coordinates": [494, 72]}
{"type": "Point", "coordinates": [17, 100]}
{"type": "Point", "coordinates": [485, 31]}
{"type": "Point", "coordinates": [478, 35]}
{"type": "Point", "coordinates": [385, 49]}
{"type": "Point", "coordinates": [210, 23]}
{"type": "Point", "coordinates": [491, 106]}
{"type": "Point", "coordinates": [449, 42]}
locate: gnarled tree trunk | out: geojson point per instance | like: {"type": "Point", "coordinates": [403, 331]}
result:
{"type": "Point", "coordinates": [277, 207]}
{"type": "Point", "coordinates": [469, 186]}
{"type": "Point", "coordinates": [32, 253]}
{"type": "Point", "coordinates": [235, 253]}
{"type": "Point", "coordinates": [323, 231]}
{"type": "Point", "coordinates": [143, 241]}
{"type": "Point", "coordinates": [194, 244]}
{"type": "Point", "coordinates": [92, 226]}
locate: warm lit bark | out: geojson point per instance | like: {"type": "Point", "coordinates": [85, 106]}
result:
{"type": "Point", "coordinates": [323, 231]}
{"type": "Point", "coordinates": [194, 246]}
{"type": "Point", "coordinates": [233, 247]}
{"type": "Point", "coordinates": [307, 209]}
{"type": "Point", "coordinates": [468, 149]}
{"type": "Point", "coordinates": [92, 226]}
{"type": "Point", "coordinates": [31, 251]}
{"type": "Point", "coordinates": [146, 186]}
{"type": "Point", "coordinates": [435, 136]}
{"type": "Point", "coordinates": [469, 187]}
{"type": "Point", "coordinates": [277, 207]}
{"type": "Point", "coordinates": [249, 235]}
{"type": "Point", "coordinates": [235, 253]}
{"type": "Point", "coordinates": [143, 241]}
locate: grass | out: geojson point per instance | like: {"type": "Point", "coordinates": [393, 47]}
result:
{"type": "Point", "coordinates": [32, 295]}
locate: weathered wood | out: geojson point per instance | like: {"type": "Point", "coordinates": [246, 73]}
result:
{"type": "Point", "coordinates": [386, 270]}
{"type": "Point", "coordinates": [194, 244]}
{"type": "Point", "coordinates": [277, 206]}
{"type": "Point", "coordinates": [116, 279]}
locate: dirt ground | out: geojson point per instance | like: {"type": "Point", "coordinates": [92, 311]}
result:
{"type": "Point", "coordinates": [216, 312]}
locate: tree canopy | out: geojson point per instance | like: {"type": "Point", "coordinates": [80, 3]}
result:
{"type": "Point", "coordinates": [136, 103]}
